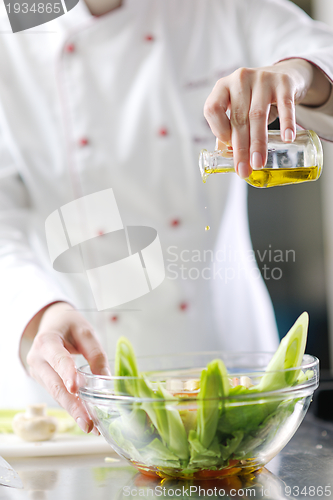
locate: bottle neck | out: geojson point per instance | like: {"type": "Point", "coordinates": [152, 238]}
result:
{"type": "Point", "coordinates": [215, 162]}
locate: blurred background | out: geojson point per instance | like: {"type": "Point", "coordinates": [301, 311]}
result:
{"type": "Point", "coordinates": [298, 218]}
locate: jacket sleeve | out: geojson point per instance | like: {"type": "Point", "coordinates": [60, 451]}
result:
{"type": "Point", "coordinates": [25, 287]}
{"type": "Point", "coordinates": [275, 30]}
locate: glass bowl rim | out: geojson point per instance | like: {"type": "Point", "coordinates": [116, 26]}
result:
{"type": "Point", "coordinates": [308, 362]}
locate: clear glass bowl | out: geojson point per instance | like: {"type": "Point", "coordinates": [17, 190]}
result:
{"type": "Point", "coordinates": [251, 428]}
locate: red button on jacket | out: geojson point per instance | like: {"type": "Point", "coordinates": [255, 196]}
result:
{"type": "Point", "coordinates": [163, 131]}
{"type": "Point", "coordinates": [83, 141]}
{"type": "Point", "coordinates": [70, 47]}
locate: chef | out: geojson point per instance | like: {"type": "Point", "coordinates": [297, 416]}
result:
{"type": "Point", "coordinates": [110, 96]}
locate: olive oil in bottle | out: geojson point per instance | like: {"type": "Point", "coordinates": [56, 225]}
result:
{"type": "Point", "coordinates": [287, 163]}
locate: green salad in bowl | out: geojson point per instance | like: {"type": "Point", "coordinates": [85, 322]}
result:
{"type": "Point", "coordinates": [203, 415]}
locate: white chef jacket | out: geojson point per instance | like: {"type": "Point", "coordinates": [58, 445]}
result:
{"type": "Point", "coordinates": [88, 103]}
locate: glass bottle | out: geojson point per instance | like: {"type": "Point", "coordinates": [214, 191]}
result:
{"type": "Point", "coordinates": [287, 162]}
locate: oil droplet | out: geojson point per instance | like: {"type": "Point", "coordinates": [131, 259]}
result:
{"type": "Point", "coordinates": [207, 228]}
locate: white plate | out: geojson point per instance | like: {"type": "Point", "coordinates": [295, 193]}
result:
{"type": "Point", "coordinates": [61, 444]}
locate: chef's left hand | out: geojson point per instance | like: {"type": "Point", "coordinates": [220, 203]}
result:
{"type": "Point", "coordinates": [255, 97]}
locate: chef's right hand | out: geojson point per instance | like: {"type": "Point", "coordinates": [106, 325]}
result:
{"type": "Point", "coordinates": [254, 97]}
{"type": "Point", "coordinates": [62, 332]}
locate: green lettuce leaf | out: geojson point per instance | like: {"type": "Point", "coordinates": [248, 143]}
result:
{"type": "Point", "coordinates": [289, 355]}
{"type": "Point", "coordinates": [202, 456]}
{"type": "Point", "coordinates": [165, 417]}
{"type": "Point", "coordinates": [214, 385]}
{"type": "Point", "coordinates": [304, 376]}
{"type": "Point", "coordinates": [125, 366]}
{"type": "Point", "coordinates": [116, 431]}
{"type": "Point", "coordinates": [231, 445]}
{"type": "Point", "coordinates": [245, 415]}
{"type": "Point", "coordinates": [156, 453]}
